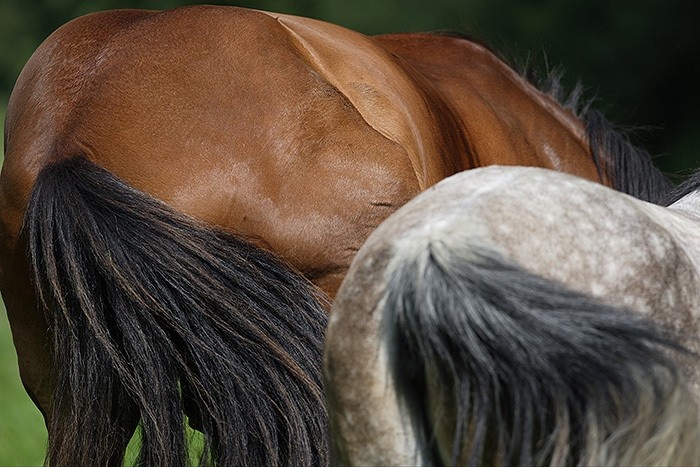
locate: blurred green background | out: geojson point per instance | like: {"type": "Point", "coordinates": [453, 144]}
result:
{"type": "Point", "coordinates": [639, 59]}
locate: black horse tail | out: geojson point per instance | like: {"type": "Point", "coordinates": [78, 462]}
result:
{"type": "Point", "coordinates": [494, 364]}
{"type": "Point", "coordinates": [154, 315]}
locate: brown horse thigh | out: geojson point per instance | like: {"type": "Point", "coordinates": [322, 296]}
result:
{"type": "Point", "coordinates": [31, 337]}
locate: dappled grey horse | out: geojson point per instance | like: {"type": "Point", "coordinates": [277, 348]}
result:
{"type": "Point", "coordinates": [518, 316]}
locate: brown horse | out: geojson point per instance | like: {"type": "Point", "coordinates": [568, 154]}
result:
{"type": "Point", "coordinates": [301, 136]}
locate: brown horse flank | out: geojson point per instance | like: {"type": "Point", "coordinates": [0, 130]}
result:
{"type": "Point", "coordinates": [157, 159]}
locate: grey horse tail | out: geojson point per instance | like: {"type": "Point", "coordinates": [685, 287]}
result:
{"type": "Point", "coordinates": [493, 364]}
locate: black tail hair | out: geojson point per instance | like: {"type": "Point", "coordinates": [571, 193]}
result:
{"type": "Point", "coordinates": [153, 313]}
{"type": "Point", "coordinates": [533, 373]}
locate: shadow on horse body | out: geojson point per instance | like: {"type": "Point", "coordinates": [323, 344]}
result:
{"type": "Point", "coordinates": [521, 316]}
{"type": "Point", "coordinates": [297, 135]}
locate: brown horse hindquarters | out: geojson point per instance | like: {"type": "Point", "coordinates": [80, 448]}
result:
{"type": "Point", "coordinates": [244, 139]}
{"type": "Point", "coordinates": [505, 120]}
{"type": "Point", "coordinates": [221, 114]}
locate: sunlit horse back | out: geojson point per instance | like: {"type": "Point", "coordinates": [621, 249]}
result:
{"type": "Point", "coordinates": [519, 316]}
{"type": "Point", "coordinates": [295, 134]}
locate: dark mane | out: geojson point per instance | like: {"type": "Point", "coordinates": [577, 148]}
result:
{"type": "Point", "coordinates": [629, 169]}
{"type": "Point", "coordinates": [689, 186]}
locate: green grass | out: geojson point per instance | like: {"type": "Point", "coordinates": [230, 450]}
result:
{"type": "Point", "coordinates": [22, 432]}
